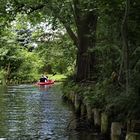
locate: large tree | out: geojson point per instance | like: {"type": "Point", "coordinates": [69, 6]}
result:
{"type": "Point", "coordinates": [78, 17]}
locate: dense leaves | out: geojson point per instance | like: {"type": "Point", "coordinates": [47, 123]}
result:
{"type": "Point", "coordinates": [96, 41]}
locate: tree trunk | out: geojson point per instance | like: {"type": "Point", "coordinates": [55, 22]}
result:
{"type": "Point", "coordinates": [125, 46]}
{"type": "Point", "coordinates": [84, 39]}
{"type": "Point", "coordinates": [85, 55]}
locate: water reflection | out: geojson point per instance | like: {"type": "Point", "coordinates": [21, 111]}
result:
{"type": "Point", "coordinates": [35, 112]}
{"type": "Point", "coordinates": [44, 88]}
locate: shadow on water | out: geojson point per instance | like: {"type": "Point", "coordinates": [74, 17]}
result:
{"type": "Point", "coordinates": [36, 112]}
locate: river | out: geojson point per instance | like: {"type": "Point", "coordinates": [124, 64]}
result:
{"type": "Point", "coordinates": [29, 112]}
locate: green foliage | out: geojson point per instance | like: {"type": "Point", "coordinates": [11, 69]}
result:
{"type": "Point", "coordinates": [108, 97]}
{"type": "Point", "coordinates": [121, 106]}
{"type": "Point", "coordinates": [58, 55]}
{"type": "Point", "coordinates": [57, 77]}
{"type": "Point", "coordinates": [10, 57]}
{"type": "Point", "coordinates": [20, 65]}
{"type": "Point", "coordinates": [2, 77]}
{"type": "Point", "coordinates": [29, 70]}
{"type": "Point", "coordinates": [17, 63]}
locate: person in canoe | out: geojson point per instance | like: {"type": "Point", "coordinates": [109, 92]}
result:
{"type": "Point", "coordinates": [44, 78]}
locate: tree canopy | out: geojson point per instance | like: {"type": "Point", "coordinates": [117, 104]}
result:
{"type": "Point", "coordinates": [104, 33]}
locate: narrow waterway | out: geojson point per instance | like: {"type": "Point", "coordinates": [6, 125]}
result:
{"type": "Point", "coordinates": [28, 112]}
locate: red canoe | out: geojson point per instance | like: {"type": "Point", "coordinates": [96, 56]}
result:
{"type": "Point", "coordinates": [49, 82]}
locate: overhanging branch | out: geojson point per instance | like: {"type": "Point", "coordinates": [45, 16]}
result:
{"type": "Point", "coordinates": [71, 34]}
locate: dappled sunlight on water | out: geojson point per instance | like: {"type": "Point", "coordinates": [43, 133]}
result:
{"type": "Point", "coordinates": [35, 112]}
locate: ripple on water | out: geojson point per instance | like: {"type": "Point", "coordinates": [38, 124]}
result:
{"type": "Point", "coordinates": [31, 112]}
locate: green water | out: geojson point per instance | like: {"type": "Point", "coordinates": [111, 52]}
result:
{"type": "Point", "coordinates": [28, 112]}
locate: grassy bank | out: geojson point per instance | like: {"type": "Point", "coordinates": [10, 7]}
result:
{"type": "Point", "coordinates": [108, 97]}
{"type": "Point", "coordinates": [57, 77]}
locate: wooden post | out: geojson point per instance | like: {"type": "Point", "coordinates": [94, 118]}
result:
{"type": "Point", "coordinates": [116, 130]}
{"type": "Point", "coordinates": [97, 118]}
{"type": "Point", "coordinates": [104, 123]}
{"type": "Point", "coordinates": [77, 104]}
{"type": "Point", "coordinates": [132, 136]}
{"type": "Point", "coordinates": [89, 112]}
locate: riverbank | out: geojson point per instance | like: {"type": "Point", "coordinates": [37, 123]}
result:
{"type": "Point", "coordinates": [105, 109]}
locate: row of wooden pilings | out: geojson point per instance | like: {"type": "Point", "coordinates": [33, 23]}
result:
{"type": "Point", "coordinates": [101, 120]}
